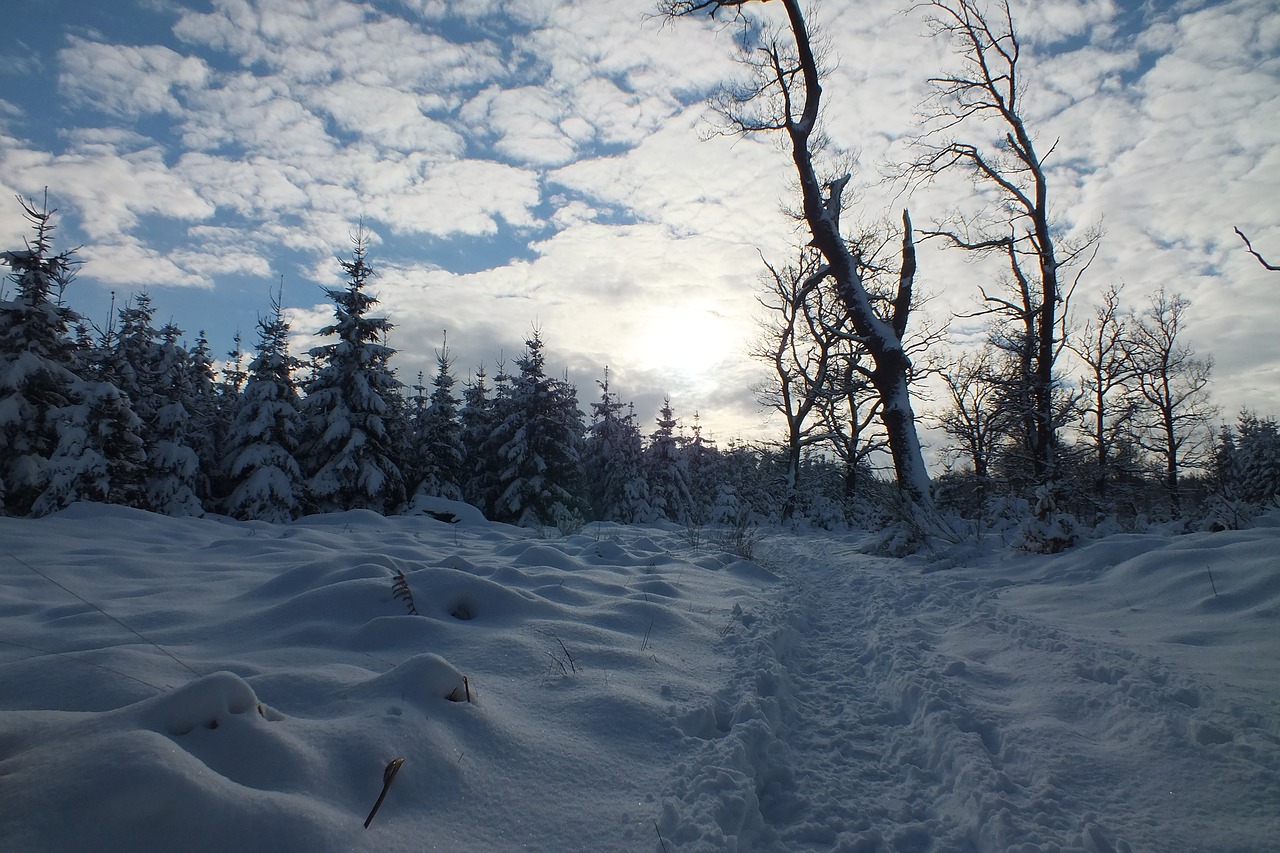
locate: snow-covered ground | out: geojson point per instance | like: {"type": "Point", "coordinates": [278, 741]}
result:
{"type": "Point", "coordinates": [177, 684]}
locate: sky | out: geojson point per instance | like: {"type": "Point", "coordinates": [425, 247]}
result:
{"type": "Point", "coordinates": [552, 165]}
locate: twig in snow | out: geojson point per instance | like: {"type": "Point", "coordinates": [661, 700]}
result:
{"type": "Point", "coordinates": [400, 589]}
{"type": "Point", "coordinates": [1211, 583]}
{"type": "Point", "coordinates": [662, 840]}
{"type": "Point", "coordinates": [388, 776]}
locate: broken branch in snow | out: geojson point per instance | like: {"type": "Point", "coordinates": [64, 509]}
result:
{"type": "Point", "coordinates": [388, 776]}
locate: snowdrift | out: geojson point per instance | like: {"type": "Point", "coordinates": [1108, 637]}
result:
{"type": "Point", "coordinates": [212, 685]}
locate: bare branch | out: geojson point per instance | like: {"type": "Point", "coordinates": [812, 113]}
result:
{"type": "Point", "coordinates": [1252, 251]}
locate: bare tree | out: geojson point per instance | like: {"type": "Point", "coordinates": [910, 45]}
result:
{"type": "Point", "coordinates": [1173, 386]}
{"type": "Point", "coordinates": [1107, 406]}
{"type": "Point", "coordinates": [850, 414]}
{"type": "Point", "coordinates": [786, 97]}
{"type": "Point", "coordinates": [977, 419]}
{"type": "Point", "coordinates": [1265, 263]}
{"type": "Point", "coordinates": [800, 341]}
{"type": "Point", "coordinates": [987, 91]}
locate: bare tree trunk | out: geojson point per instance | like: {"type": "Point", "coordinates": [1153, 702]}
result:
{"type": "Point", "coordinates": [989, 88]}
{"type": "Point", "coordinates": [796, 81]}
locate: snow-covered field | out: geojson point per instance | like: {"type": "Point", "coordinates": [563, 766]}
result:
{"type": "Point", "coordinates": [631, 689]}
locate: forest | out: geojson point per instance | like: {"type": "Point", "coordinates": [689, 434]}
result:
{"type": "Point", "coordinates": [132, 414]}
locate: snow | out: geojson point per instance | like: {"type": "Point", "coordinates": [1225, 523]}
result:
{"type": "Point", "coordinates": [244, 685]}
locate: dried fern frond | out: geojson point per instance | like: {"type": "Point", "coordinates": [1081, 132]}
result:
{"type": "Point", "coordinates": [400, 589]}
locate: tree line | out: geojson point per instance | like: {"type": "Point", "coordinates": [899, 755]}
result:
{"type": "Point", "coordinates": [133, 415]}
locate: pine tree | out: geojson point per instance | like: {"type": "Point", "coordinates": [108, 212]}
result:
{"type": "Point", "coordinates": [702, 461]}
{"type": "Point", "coordinates": [666, 469]}
{"type": "Point", "coordinates": [151, 368]}
{"type": "Point", "coordinates": [613, 461]}
{"type": "Point", "coordinates": [478, 418]}
{"type": "Point", "coordinates": [265, 479]}
{"type": "Point", "coordinates": [100, 455]}
{"type": "Point", "coordinates": [438, 436]}
{"type": "Point", "coordinates": [351, 404]}
{"type": "Point", "coordinates": [537, 445]}
{"type": "Point", "coordinates": [1249, 459]}
{"type": "Point", "coordinates": [201, 404]}
{"type": "Point", "coordinates": [36, 362]}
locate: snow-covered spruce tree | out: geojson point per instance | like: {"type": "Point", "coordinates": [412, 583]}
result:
{"type": "Point", "coordinates": [173, 464]}
{"type": "Point", "coordinates": [667, 470]}
{"type": "Point", "coordinates": [201, 403]}
{"type": "Point", "coordinates": [1246, 471]}
{"type": "Point", "coordinates": [702, 461]}
{"type": "Point", "coordinates": [613, 462]}
{"type": "Point", "coordinates": [100, 455]}
{"type": "Point", "coordinates": [478, 417]}
{"type": "Point", "coordinates": [1257, 458]}
{"type": "Point", "coordinates": [151, 368]}
{"type": "Point", "coordinates": [36, 361]}
{"type": "Point", "coordinates": [537, 446]}
{"type": "Point", "coordinates": [438, 436]}
{"type": "Point", "coordinates": [261, 467]}
{"type": "Point", "coordinates": [347, 450]}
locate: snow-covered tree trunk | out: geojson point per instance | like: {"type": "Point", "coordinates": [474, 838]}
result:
{"type": "Point", "coordinates": [788, 96]}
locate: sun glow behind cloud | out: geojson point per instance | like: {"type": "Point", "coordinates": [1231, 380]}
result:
{"type": "Point", "coordinates": [538, 163]}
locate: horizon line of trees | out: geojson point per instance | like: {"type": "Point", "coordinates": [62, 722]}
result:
{"type": "Point", "coordinates": [131, 414]}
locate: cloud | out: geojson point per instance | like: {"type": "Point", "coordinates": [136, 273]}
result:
{"type": "Point", "coordinates": [109, 178]}
{"type": "Point", "coordinates": [127, 81]}
{"type": "Point", "coordinates": [550, 151]}
{"type": "Point", "coordinates": [133, 265]}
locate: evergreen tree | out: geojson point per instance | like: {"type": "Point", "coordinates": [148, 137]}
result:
{"type": "Point", "coordinates": [537, 445]}
{"type": "Point", "coordinates": [263, 473]}
{"type": "Point", "coordinates": [174, 466]}
{"type": "Point", "coordinates": [100, 455]}
{"type": "Point", "coordinates": [205, 433]}
{"type": "Point", "coordinates": [151, 368]}
{"type": "Point", "coordinates": [439, 444]}
{"type": "Point", "coordinates": [36, 362]}
{"type": "Point", "coordinates": [613, 461]}
{"type": "Point", "coordinates": [1247, 461]}
{"type": "Point", "coordinates": [702, 461]}
{"type": "Point", "coordinates": [351, 404]}
{"type": "Point", "coordinates": [478, 418]}
{"type": "Point", "coordinates": [666, 469]}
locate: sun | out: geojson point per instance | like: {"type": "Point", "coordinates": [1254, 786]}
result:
{"type": "Point", "coordinates": [692, 339]}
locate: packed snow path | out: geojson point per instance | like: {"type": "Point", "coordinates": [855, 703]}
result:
{"type": "Point", "coordinates": [878, 708]}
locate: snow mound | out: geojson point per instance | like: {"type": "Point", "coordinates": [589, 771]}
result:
{"type": "Point", "coordinates": [202, 684]}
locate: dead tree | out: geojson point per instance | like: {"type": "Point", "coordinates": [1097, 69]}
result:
{"type": "Point", "coordinates": [786, 98]}
{"type": "Point", "coordinates": [1107, 405]}
{"type": "Point", "coordinates": [1173, 387]}
{"type": "Point", "coordinates": [987, 91]}
{"type": "Point", "coordinates": [800, 341]}
{"type": "Point", "coordinates": [977, 418]}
